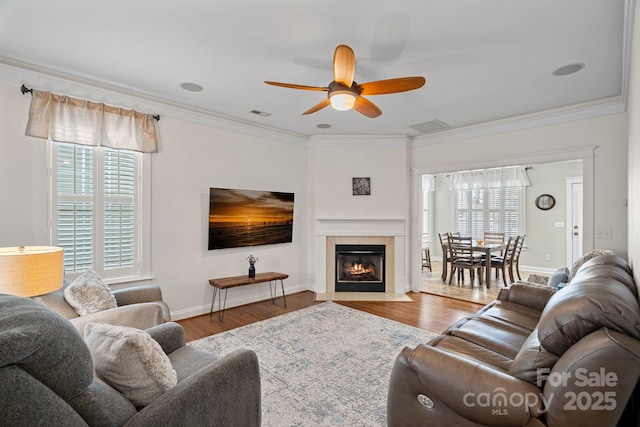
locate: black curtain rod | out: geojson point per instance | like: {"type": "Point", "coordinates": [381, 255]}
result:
{"type": "Point", "coordinates": [25, 90]}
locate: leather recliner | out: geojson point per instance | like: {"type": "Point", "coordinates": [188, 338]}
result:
{"type": "Point", "coordinates": [533, 357]}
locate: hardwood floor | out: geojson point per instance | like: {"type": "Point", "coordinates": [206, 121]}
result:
{"type": "Point", "coordinates": [430, 312]}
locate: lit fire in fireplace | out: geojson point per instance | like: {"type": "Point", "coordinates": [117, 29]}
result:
{"type": "Point", "coordinates": [359, 271]}
{"type": "Point", "coordinates": [358, 268]}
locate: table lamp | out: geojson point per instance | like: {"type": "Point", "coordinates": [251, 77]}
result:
{"type": "Point", "coordinates": [29, 271]}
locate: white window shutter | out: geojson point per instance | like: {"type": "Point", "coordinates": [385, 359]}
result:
{"type": "Point", "coordinates": [99, 207]}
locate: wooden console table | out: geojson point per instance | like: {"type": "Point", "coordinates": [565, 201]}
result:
{"type": "Point", "coordinates": [232, 282]}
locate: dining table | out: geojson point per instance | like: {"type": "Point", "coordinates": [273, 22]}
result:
{"type": "Point", "coordinates": [484, 248]}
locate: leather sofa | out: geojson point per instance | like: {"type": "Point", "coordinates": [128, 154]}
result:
{"type": "Point", "coordinates": [138, 307]}
{"type": "Point", "coordinates": [533, 357]}
{"type": "Point", "coordinates": [47, 378]}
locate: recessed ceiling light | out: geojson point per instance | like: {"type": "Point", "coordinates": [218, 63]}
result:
{"type": "Point", "coordinates": [323, 125]}
{"type": "Point", "coordinates": [568, 69]}
{"type": "Point", "coordinates": [191, 87]}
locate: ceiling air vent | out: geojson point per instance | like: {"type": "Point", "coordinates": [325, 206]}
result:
{"type": "Point", "coordinates": [260, 113]}
{"type": "Point", "coordinates": [431, 127]}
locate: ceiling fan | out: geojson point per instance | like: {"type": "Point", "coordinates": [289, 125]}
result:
{"type": "Point", "coordinates": [344, 94]}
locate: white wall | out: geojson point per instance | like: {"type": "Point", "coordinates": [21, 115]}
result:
{"type": "Point", "coordinates": [604, 168]}
{"type": "Point", "coordinates": [605, 180]}
{"type": "Point", "coordinates": [191, 159]}
{"type": "Point", "coordinates": [23, 174]}
{"type": "Point", "coordinates": [634, 150]}
{"type": "Point", "coordinates": [333, 164]}
{"type": "Point", "coordinates": [335, 161]}
{"type": "Point", "coordinates": [543, 237]}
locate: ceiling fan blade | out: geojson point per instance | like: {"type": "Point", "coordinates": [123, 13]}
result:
{"type": "Point", "coordinates": [344, 65]}
{"type": "Point", "coordinates": [319, 106]}
{"type": "Point", "coordinates": [401, 84]}
{"type": "Point", "coordinates": [294, 86]}
{"type": "Point", "coordinates": [366, 107]}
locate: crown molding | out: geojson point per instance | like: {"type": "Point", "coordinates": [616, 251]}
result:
{"type": "Point", "coordinates": [587, 110]}
{"type": "Point", "coordinates": [359, 140]}
{"type": "Point", "coordinates": [559, 155]}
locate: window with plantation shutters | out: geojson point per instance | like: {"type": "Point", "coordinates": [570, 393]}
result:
{"type": "Point", "coordinates": [119, 208]}
{"type": "Point", "coordinates": [489, 209]}
{"type": "Point", "coordinates": [428, 187]}
{"type": "Point", "coordinates": [489, 200]}
{"type": "Point", "coordinates": [97, 209]}
{"type": "Point", "coordinates": [75, 205]}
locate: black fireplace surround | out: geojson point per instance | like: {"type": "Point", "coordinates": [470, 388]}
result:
{"type": "Point", "coordinates": [360, 268]}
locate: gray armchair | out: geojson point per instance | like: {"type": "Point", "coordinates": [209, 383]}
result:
{"type": "Point", "coordinates": [138, 307]}
{"type": "Point", "coordinates": [46, 378]}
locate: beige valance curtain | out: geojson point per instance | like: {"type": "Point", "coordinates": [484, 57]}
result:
{"type": "Point", "coordinates": [66, 119]}
{"type": "Point", "coordinates": [489, 178]}
{"type": "Point", "coordinates": [428, 183]}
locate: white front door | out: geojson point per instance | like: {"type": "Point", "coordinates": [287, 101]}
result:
{"type": "Point", "coordinates": [574, 219]}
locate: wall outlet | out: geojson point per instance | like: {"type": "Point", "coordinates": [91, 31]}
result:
{"type": "Point", "coordinates": [547, 257]}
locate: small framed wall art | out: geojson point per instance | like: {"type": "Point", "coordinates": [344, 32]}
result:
{"type": "Point", "coordinates": [361, 186]}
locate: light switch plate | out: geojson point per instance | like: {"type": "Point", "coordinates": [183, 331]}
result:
{"type": "Point", "coordinates": [604, 232]}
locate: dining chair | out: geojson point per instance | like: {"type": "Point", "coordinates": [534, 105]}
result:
{"type": "Point", "coordinates": [504, 263]}
{"type": "Point", "coordinates": [462, 258]}
{"type": "Point", "coordinates": [493, 237]}
{"type": "Point", "coordinates": [426, 258]}
{"type": "Point", "coordinates": [446, 259]}
{"type": "Point", "coordinates": [515, 264]}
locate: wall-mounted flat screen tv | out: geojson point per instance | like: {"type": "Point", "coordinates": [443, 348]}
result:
{"type": "Point", "coordinates": [249, 218]}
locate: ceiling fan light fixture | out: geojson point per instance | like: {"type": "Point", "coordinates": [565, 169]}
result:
{"type": "Point", "coordinates": [342, 101]}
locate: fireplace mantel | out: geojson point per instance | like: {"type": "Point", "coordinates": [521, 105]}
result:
{"type": "Point", "coordinates": [328, 229]}
{"type": "Point", "coordinates": [361, 226]}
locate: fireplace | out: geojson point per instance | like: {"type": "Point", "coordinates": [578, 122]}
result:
{"type": "Point", "coordinates": [360, 268]}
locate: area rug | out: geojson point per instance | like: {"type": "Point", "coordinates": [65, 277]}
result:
{"type": "Point", "coordinates": [324, 365]}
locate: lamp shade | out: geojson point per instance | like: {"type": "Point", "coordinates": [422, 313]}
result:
{"type": "Point", "coordinates": [29, 271]}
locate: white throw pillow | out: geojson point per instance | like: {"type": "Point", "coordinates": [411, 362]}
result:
{"type": "Point", "coordinates": [130, 361]}
{"type": "Point", "coordinates": [89, 294]}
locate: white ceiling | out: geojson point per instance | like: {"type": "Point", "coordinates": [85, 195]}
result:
{"type": "Point", "coordinates": [483, 60]}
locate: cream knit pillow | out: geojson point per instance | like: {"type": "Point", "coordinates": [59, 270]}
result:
{"type": "Point", "coordinates": [89, 294]}
{"type": "Point", "coordinates": [130, 361]}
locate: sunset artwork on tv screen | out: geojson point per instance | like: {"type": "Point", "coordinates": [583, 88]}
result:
{"type": "Point", "coordinates": [249, 218]}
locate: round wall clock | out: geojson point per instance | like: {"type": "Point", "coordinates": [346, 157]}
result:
{"type": "Point", "coordinates": [545, 202]}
